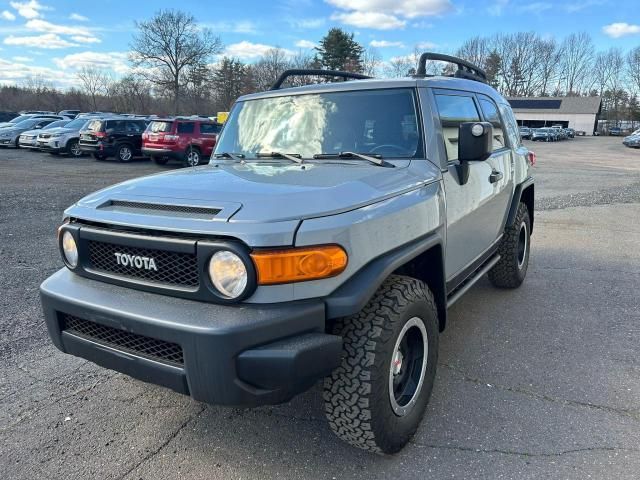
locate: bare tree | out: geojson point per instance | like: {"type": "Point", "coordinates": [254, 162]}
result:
{"type": "Point", "coordinates": [95, 82]}
{"type": "Point", "coordinates": [633, 68]}
{"type": "Point", "coordinates": [269, 67]}
{"type": "Point", "coordinates": [166, 46]}
{"type": "Point", "coordinates": [576, 60]}
{"type": "Point", "coordinates": [370, 61]}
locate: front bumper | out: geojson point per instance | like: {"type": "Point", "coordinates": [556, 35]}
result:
{"type": "Point", "coordinates": [51, 144]}
{"type": "Point", "coordinates": [242, 355]}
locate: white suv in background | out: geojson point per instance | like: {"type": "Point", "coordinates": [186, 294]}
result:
{"type": "Point", "coordinates": [63, 139]}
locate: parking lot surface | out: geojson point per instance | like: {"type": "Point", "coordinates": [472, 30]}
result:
{"type": "Point", "coordinates": [539, 382]}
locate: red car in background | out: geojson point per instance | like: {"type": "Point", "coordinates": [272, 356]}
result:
{"type": "Point", "coordinates": [185, 139]}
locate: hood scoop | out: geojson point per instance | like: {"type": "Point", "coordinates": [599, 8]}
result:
{"type": "Point", "coordinates": [161, 209]}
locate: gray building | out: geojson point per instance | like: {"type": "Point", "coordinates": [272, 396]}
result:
{"type": "Point", "coordinates": [579, 113]}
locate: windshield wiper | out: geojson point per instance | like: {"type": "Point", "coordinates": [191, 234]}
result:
{"type": "Point", "coordinates": [232, 156]}
{"type": "Point", "coordinates": [294, 157]}
{"type": "Point", "coordinates": [373, 158]}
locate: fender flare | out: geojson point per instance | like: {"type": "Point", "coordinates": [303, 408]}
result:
{"type": "Point", "coordinates": [517, 196]}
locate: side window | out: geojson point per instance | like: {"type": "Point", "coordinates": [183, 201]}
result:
{"type": "Point", "coordinates": [513, 132]}
{"type": "Point", "coordinates": [115, 126]}
{"type": "Point", "coordinates": [454, 110]}
{"type": "Point", "coordinates": [134, 127]}
{"type": "Point", "coordinates": [491, 115]}
{"type": "Point", "coordinates": [209, 128]}
{"type": "Point", "coordinates": [186, 127]}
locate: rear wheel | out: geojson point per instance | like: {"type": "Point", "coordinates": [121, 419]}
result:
{"type": "Point", "coordinates": [124, 153]}
{"type": "Point", "coordinates": [192, 157]}
{"type": "Point", "coordinates": [514, 249]}
{"type": "Point", "coordinates": [73, 148]}
{"type": "Point", "coordinates": [376, 398]}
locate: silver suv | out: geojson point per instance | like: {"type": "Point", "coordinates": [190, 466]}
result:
{"type": "Point", "coordinates": [332, 229]}
{"type": "Point", "coordinates": [63, 139]}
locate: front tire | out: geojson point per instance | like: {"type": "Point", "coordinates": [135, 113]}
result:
{"type": "Point", "coordinates": [376, 398]}
{"type": "Point", "coordinates": [73, 149]}
{"type": "Point", "coordinates": [514, 249]}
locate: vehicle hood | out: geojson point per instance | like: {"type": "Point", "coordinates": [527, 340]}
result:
{"type": "Point", "coordinates": [11, 131]}
{"type": "Point", "coordinates": [259, 192]}
{"type": "Point", "coordinates": [62, 130]}
{"type": "Point", "coordinates": [32, 132]}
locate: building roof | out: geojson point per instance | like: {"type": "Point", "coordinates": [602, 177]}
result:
{"type": "Point", "coordinates": [586, 105]}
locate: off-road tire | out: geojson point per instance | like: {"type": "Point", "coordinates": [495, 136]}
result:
{"type": "Point", "coordinates": [357, 393]}
{"type": "Point", "coordinates": [510, 270]}
{"type": "Point", "coordinates": [160, 160]}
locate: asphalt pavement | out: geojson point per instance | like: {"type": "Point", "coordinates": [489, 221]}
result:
{"type": "Point", "coordinates": [538, 382]}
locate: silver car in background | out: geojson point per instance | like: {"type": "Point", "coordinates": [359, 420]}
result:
{"type": "Point", "coordinates": [9, 135]}
{"type": "Point", "coordinates": [63, 139]}
{"type": "Point", "coordinates": [29, 138]}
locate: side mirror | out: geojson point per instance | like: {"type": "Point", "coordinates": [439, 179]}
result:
{"type": "Point", "coordinates": [475, 141]}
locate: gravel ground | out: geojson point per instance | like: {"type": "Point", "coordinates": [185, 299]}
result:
{"type": "Point", "coordinates": [540, 382]}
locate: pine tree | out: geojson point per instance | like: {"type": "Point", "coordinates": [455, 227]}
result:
{"type": "Point", "coordinates": [339, 51]}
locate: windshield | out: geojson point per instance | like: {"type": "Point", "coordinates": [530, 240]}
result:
{"type": "Point", "coordinates": [59, 123]}
{"type": "Point", "coordinates": [21, 118]}
{"type": "Point", "coordinates": [27, 123]}
{"type": "Point", "coordinates": [382, 122]}
{"type": "Point", "coordinates": [76, 124]}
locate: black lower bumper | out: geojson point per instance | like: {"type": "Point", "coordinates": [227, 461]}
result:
{"type": "Point", "coordinates": [230, 355]}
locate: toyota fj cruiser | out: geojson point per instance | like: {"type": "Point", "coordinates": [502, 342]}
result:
{"type": "Point", "coordinates": [332, 229]}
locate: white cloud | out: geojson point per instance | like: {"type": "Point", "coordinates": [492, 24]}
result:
{"type": "Point", "coordinates": [7, 15]}
{"type": "Point", "coordinates": [78, 18]}
{"type": "Point", "coordinates": [249, 51]}
{"type": "Point", "coordinates": [375, 20]}
{"type": "Point", "coordinates": [498, 7]}
{"type": "Point", "coordinates": [242, 26]}
{"type": "Point", "coordinates": [617, 30]}
{"type": "Point", "coordinates": [38, 25]}
{"type": "Point", "coordinates": [385, 44]}
{"type": "Point", "coordinates": [12, 73]}
{"type": "Point", "coordinates": [426, 45]}
{"type": "Point", "coordinates": [401, 8]}
{"type": "Point", "coordinates": [47, 40]}
{"type": "Point", "coordinates": [306, 23]}
{"type": "Point", "coordinates": [116, 61]}
{"type": "Point", "coordinates": [30, 9]}
{"type": "Point", "coordinates": [306, 44]}
{"type": "Point", "coordinates": [83, 39]}
{"type": "Point", "coordinates": [22, 59]}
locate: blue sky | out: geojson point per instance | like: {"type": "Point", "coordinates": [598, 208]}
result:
{"type": "Point", "coordinates": [54, 38]}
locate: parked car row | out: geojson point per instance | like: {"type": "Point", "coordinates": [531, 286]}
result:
{"type": "Point", "coordinates": [186, 139]}
{"type": "Point", "coordinates": [547, 134]}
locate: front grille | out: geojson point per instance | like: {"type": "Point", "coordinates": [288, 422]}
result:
{"type": "Point", "coordinates": [172, 268]}
{"type": "Point", "coordinates": [140, 345]}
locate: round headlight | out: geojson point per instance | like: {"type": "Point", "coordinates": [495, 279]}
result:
{"type": "Point", "coordinates": [69, 249]}
{"type": "Point", "coordinates": [228, 274]}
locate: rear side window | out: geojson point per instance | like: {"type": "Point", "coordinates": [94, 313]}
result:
{"type": "Point", "coordinates": [209, 128]}
{"type": "Point", "coordinates": [511, 125]}
{"type": "Point", "coordinates": [135, 127]}
{"type": "Point", "coordinates": [115, 125]}
{"type": "Point", "coordinates": [491, 115]}
{"type": "Point", "coordinates": [186, 127]}
{"type": "Point", "coordinates": [454, 110]}
{"type": "Point", "coordinates": [160, 127]}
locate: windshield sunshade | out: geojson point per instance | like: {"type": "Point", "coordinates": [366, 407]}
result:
{"type": "Point", "coordinates": [382, 122]}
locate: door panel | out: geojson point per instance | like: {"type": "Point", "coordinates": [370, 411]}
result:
{"type": "Point", "coordinates": [475, 210]}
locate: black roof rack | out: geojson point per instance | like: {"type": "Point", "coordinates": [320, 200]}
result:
{"type": "Point", "coordinates": [465, 69]}
{"type": "Point", "coordinates": [318, 73]}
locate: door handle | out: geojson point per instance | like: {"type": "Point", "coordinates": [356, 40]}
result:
{"type": "Point", "coordinates": [495, 176]}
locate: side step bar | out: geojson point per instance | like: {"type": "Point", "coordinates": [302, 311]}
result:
{"type": "Point", "coordinates": [471, 280]}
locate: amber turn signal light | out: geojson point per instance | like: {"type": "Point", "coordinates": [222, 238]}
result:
{"type": "Point", "coordinates": [299, 264]}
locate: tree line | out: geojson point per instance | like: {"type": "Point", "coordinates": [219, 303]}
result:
{"type": "Point", "coordinates": [177, 67]}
